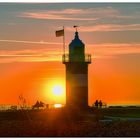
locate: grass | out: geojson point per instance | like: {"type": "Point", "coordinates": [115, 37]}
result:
{"type": "Point", "coordinates": [66, 123]}
{"type": "Point", "coordinates": [121, 112]}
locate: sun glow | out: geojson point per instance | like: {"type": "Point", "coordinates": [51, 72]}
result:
{"type": "Point", "coordinates": [55, 91]}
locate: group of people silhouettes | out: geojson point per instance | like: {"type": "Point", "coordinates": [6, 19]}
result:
{"type": "Point", "coordinates": [98, 104]}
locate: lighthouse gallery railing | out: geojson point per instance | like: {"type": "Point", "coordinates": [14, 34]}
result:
{"type": "Point", "coordinates": [67, 58]}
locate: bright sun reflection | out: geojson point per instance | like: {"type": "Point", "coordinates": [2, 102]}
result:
{"type": "Point", "coordinates": [57, 105]}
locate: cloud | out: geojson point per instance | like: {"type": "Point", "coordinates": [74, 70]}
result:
{"type": "Point", "coordinates": [112, 50]}
{"type": "Point", "coordinates": [109, 27]}
{"type": "Point", "coordinates": [89, 14]}
{"type": "Point", "coordinates": [97, 51]}
{"type": "Point", "coordinates": [29, 54]}
{"type": "Point", "coordinates": [29, 42]}
{"type": "Point", "coordinates": [71, 14]}
{"type": "Point", "coordinates": [53, 17]}
{"type": "Point", "coordinates": [66, 11]}
{"type": "Point", "coordinates": [66, 14]}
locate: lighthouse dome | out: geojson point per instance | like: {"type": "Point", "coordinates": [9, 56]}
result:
{"type": "Point", "coordinates": [76, 49]}
{"type": "Point", "coordinates": [76, 42]}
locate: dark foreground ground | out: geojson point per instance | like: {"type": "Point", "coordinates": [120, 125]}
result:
{"type": "Point", "coordinates": [63, 123]}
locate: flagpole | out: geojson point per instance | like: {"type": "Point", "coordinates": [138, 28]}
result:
{"type": "Point", "coordinates": [64, 41]}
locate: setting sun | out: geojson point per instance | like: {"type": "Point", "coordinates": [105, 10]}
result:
{"type": "Point", "coordinates": [54, 90]}
{"type": "Point", "coordinates": [57, 90]}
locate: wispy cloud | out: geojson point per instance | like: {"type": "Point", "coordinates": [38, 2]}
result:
{"type": "Point", "coordinates": [71, 14]}
{"type": "Point", "coordinates": [29, 54]}
{"type": "Point", "coordinates": [113, 49]}
{"type": "Point", "coordinates": [29, 42]}
{"type": "Point", "coordinates": [66, 14]}
{"type": "Point", "coordinates": [97, 51]}
{"type": "Point", "coordinates": [53, 17]}
{"type": "Point", "coordinates": [109, 27]}
{"type": "Point", "coordinates": [77, 14]}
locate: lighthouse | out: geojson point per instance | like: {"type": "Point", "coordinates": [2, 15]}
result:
{"type": "Point", "coordinates": [76, 63]}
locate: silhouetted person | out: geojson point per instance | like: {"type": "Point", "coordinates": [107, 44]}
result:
{"type": "Point", "coordinates": [38, 105]}
{"type": "Point", "coordinates": [96, 103]}
{"type": "Point", "coordinates": [47, 106]}
{"type": "Point", "coordinates": [100, 104]}
{"type": "Point", "coordinates": [41, 104]}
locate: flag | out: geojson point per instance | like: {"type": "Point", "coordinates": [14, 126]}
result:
{"type": "Point", "coordinates": [59, 33]}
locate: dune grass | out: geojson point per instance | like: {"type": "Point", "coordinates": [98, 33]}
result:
{"type": "Point", "coordinates": [63, 123]}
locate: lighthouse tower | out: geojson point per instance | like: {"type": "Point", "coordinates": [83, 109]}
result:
{"type": "Point", "coordinates": [76, 63]}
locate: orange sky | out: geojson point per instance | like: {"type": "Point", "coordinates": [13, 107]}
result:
{"type": "Point", "coordinates": [107, 81]}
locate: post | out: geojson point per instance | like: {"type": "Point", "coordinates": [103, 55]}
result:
{"type": "Point", "coordinates": [64, 41]}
